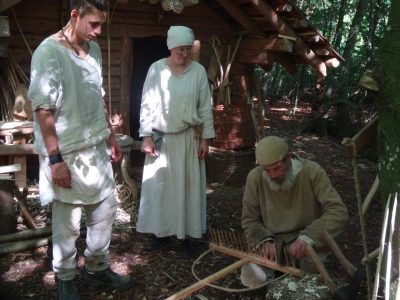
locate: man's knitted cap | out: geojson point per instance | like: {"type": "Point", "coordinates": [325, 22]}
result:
{"type": "Point", "coordinates": [179, 36]}
{"type": "Point", "coordinates": [271, 150]}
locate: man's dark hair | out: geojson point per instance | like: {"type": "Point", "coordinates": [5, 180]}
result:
{"type": "Point", "coordinates": [85, 6]}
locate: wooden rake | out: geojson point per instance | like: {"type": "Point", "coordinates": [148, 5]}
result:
{"type": "Point", "coordinates": [236, 245]}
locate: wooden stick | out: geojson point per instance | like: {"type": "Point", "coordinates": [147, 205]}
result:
{"type": "Point", "coordinates": [25, 235]}
{"type": "Point", "coordinates": [347, 265]}
{"type": "Point", "coordinates": [371, 193]}
{"type": "Point", "coordinates": [21, 197]}
{"type": "Point", "coordinates": [257, 259]}
{"type": "Point", "coordinates": [382, 250]}
{"type": "Point", "coordinates": [370, 256]}
{"type": "Point", "coordinates": [213, 277]}
{"type": "Point", "coordinates": [17, 246]}
{"type": "Point", "coordinates": [321, 269]}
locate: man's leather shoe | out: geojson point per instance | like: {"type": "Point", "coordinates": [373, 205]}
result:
{"type": "Point", "coordinates": [67, 290]}
{"type": "Point", "coordinates": [106, 278]}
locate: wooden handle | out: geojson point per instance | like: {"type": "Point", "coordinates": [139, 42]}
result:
{"type": "Point", "coordinates": [213, 277]}
{"type": "Point", "coordinates": [259, 260]}
{"type": "Point", "coordinates": [321, 269]}
{"type": "Point", "coordinates": [347, 265]}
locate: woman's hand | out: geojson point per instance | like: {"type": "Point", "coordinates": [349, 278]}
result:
{"type": "Point", "coordinates": [203, 148]}
{"type": "Point", "coordinates": [116, 153]}
{"type": "Point", "coordinates": [148, 146]}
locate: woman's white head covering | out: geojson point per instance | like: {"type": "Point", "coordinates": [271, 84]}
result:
{"type": "Point", "coordinates": [179, 36]}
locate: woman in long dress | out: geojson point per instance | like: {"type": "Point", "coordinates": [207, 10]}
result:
{"type": "Point", "coordinates": [175, 123]}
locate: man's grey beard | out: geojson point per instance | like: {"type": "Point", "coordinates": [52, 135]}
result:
{"type": "Point", "coordinates": [286, 184]}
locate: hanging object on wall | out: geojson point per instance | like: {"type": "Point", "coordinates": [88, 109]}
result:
{"type": "Point", "coordinates": [177, 5]}
{"type": "Point", "coordinates": [4, 26]}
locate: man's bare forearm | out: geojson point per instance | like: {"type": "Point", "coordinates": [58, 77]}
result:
{"type": "Point", "coordinates": [48, 129]}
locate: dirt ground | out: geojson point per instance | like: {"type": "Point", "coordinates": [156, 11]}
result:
{"type": "Point", "coordinates": [159, 274]}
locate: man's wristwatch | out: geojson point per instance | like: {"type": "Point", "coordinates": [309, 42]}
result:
{"type": "Point", "coordinates": [55, 159]}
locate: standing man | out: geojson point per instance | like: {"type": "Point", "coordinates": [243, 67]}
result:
{"type": "Point", "coordinates": [75, 143]}
{"type": "Point", "coordinates": [288, 198]}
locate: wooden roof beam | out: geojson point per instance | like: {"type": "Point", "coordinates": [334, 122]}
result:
{"type": "Point", "coordinates": [300, 47]}
{"type": "Point", "coordinates": [283, 60]}
{"type": "Point", "coordinates": [322, 51]}
{"type": "Point", "coordinates": [266, 59]}
{"type": "Point", "coordinates": [284, 7]}
{"type": "Point", "coordinates": [254, 57]}
{"type": "Point", "coordinates": [209, 10]}
{"type": "Point", "coordinates": [274, 43]}
{"type": "Point", "coordinates": [5, 4]}
{"type": "Point", "coordinates": [237, 13]}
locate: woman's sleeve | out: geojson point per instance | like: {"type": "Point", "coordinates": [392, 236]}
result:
{"type": "Point", "coordinates": [204, 108]}
{"type": "Point", "coordinates": [147, 103]}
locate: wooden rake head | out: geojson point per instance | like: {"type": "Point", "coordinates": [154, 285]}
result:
{"type": "Point", "coordinates": [236, 245]}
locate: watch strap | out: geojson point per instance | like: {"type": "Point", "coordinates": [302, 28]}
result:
{"type": "Point", "coordinates": [55, 159]}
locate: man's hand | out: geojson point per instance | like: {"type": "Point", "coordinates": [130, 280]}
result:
{"type": "Point", "coordinates": [61, 175]}
{"type": "Point", "coordinates": [148, 146]}
{"type": "Point", "coordinates": [268, 251]}
{"type": "Point", "coordinates": [298, 249]}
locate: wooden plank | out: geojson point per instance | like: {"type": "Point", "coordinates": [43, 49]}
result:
{"type": "Point", "coordinates": [24, 149]}
{"type": "Point", "coordinates": [254, 57]}
{"type": "Point", "coordinates": [10, 168]}
{"type": "Point", "coordinates": [6, 4]}
{"type": "Point", "coordinates": [240, 16]}
{"type": "Point", "coordinates": [210, 11]}
{"type": "Point", "coordinates": [362, 138]}
{"type": "Point", "coordinates": [126, 75]}
{"type": "Point", "coordinates": [20, 176]}
{"type": "Point", "coordinates": [283, 28]}
{"type": "Point", "coordinates": [273, 43]}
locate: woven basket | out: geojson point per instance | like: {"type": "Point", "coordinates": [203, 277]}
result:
{"type": "Point", "coordinates": [233, 127]}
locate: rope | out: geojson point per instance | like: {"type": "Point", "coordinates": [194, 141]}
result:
{"type": "Point", "coordinates": [225, 289]}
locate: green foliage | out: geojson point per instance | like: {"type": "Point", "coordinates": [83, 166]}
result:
{"type": "Point", "coordinates": [323, 14]}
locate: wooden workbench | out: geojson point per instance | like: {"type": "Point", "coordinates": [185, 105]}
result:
{"type": "Point", "coordinates": [17, 134]}
{"type": "Point", "coordinates": [20, 151]}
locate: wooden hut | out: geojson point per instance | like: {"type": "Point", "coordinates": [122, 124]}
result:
{"type": "Point", "coordinates": [234, 33]}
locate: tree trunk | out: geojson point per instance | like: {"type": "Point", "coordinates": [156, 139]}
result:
{"type": "Point", "coordinates": [344, 124]}
{"type": "Point", "coordinates": [388, 74]}
{"type": "Point", "coordinates": [373, 17]}
{"type": "Point", "coordinates": [388, 103]}
{"type": "Point", "coordinates": [339, 26]}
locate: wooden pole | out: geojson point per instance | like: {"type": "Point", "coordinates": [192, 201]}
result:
{"type": "Point", "coordinates": [12, 247]}
{"type": "Point", "coordinates": [321, 269]}
{"type": "Point", "coordinates": [213, 277]}
{"type": "Point", "coordinates": [25, 235]}
{"type": "Point", "coordinates": [347, 265]}
{"type": "Point", "coordinates": [21, 197]}
{"type": "Point", "coordinates": [257, 259]}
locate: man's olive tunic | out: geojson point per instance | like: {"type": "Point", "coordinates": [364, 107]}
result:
{"type": "Point", "coordinates": [311, 206]}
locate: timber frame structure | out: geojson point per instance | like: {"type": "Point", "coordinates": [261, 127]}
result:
{"type": "Point", "coordinates": [273, 31]}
